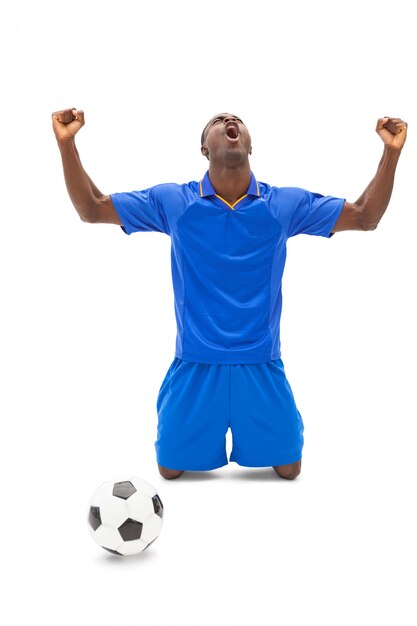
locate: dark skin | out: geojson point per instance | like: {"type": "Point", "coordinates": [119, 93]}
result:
{"type": "Point", "coordinates": [227, 145]}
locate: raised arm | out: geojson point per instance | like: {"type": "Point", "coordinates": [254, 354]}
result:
{"type": "Point", "coordinates": [90, 203]}
{"type": "Point", "coordinates": [367, 211]}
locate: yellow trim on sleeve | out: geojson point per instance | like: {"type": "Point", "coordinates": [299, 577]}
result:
{"type": "Point", "coordinates": [201, 188]}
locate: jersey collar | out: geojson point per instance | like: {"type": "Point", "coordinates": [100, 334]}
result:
{"type": "Point", "coordinates": [207, 189]}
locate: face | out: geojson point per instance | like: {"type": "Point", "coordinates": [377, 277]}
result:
{"type": "Point", "coordinates": [226, 139]}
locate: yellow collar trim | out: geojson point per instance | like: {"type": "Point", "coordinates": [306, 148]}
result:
{"type": "Point", "coordinates": [232, 206]}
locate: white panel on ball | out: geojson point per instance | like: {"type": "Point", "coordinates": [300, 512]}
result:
{"type": "Point", "coordinates": [107, 537]}
{"type": "Point", "coordinates": [114, 513]}
{"type": "Point", "coordinates": [129, 548]}
{"type": "Point", "coordinates": [140, 506]}
{"type": "Point", "coordinates": [151, 528]}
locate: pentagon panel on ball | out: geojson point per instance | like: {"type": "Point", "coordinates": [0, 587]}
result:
{"type": "Point", "coordinates": [125, 516]}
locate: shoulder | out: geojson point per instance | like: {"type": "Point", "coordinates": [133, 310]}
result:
{"type": "Point", "coordinates": [273, 192]}
{"type": "Point", "coordinates": [283, 198]}
{"type": "Point", "coordinates": [288, 194]}
{"type": "Point", "coordinates": [172, 191]}
{"type": "Point", "coordinates": [173, 199]}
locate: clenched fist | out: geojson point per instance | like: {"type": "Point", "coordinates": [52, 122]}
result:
{"type": "Point", "coordinates": [393, 131]}
{"type": "Point", "coordinates": [67, 123]}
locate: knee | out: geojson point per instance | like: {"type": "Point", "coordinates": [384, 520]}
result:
{"type": "Point", "coordinates": [169, 473]}
{"type": "Point", "coordinates": [290, 471]}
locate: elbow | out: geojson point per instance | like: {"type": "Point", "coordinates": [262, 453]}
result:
{"type": "Point", "coordinates": [97, 211]}
{"type": "Point", "coordinates": [364, 220]}
{"type": "Point", "coordinates": [88, 214]}
{"type": "Point", "coordinates": [369, 225]}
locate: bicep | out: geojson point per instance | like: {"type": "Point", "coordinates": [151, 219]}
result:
{"type": "Point", "coordinates": [349, 219]}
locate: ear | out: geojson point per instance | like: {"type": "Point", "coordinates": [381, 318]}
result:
{"type": "Point", "coordinates": [250, 150]}
{"type": "Point", "coordinates": [204, 151]}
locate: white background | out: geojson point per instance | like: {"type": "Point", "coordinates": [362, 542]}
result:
{"type": "Point", "coordinates": [88, 327]}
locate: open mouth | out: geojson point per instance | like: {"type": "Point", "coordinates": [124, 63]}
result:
{"type": "Point", "coordinates": [232, 132]}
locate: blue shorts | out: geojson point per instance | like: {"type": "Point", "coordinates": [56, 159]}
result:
{"type": "Point", "coordinates": [197, 404]}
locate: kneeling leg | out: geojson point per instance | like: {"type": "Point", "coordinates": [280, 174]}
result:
{"type": "Point", "coordinates": [169, 473]}
{"type": "Point", "coordinates": [290, 471]}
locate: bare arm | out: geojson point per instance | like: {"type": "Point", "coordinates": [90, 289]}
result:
{"type": "Point", "coordinates": [90, 203]}
{"type": "Point", "coordinates": [367, 211]}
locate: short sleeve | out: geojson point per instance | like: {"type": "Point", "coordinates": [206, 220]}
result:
{"type": "Point", "coordinates": [141, 211]}
{"type": "Point", "coordinates": [302, 212]}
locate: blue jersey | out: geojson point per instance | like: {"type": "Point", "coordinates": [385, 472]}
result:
{"type": "Point", "coordinates": [227, 261]}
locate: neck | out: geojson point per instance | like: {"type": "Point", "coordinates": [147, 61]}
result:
{"type": "Point", "coordinates": [230, 183]}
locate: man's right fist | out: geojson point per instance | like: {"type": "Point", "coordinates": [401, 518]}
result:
{"type": "Point", "coordinates": [67, 123]}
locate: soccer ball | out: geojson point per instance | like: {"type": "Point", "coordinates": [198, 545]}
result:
{"type": "Point", "coordinates": [126, 516]}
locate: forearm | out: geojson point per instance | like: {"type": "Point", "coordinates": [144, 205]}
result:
{"type": "Point", "coordinates": [81, 189]}
{"type": "Point", "coordinates": [375, 199]}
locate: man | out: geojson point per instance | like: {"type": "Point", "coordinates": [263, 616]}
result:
{"type": "Point", "coordinates": [229, 235]}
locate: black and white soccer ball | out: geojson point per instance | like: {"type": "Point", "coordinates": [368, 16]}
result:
{"type": "Point", "coordinates": [125, 516]}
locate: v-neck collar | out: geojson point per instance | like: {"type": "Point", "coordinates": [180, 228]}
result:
{"type": "Point", "coordinates": [207, 189]}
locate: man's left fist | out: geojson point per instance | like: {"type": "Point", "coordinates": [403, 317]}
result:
{"type": "Point", "coordinates": [393, 131]}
